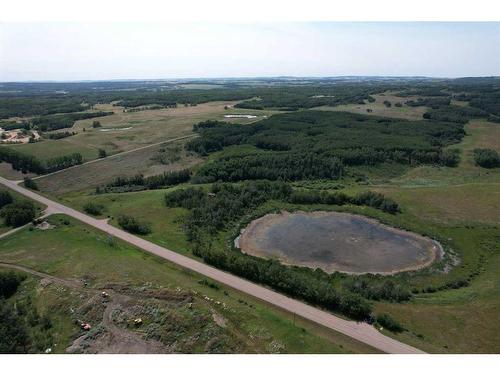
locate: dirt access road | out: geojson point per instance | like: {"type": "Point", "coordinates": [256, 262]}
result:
{"type": "Point", "coordinates": [359, 331]}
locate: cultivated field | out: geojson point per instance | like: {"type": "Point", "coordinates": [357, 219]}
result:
{"type": "Point", "coordinates": [148, 161]}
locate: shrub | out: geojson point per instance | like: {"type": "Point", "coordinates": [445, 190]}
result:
{"type": "Point", "coordinates": [486, 158]}
{"type": "Point", "coordinates": [389, 323]}
{"type": "Point", "coordinates": [132, 225]}
{"type": "Point", "coordinates": [92, 208]}
{"type": "Point", "coordinates": [96, 124]}
{"type": "Point", "coordinates": [9, 282]}
{"type": "Point", "coordinates": [30, 184]}
{"type": "Point", "coordinates": [102, 153]}
{"type": "Point", "coordinates": [377, 200]}
{"type": "Point", "coordinates": [5, 198]}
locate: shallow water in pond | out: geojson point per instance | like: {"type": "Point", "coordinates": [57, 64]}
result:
{"type": "Point", "coordinates": [337, 241]}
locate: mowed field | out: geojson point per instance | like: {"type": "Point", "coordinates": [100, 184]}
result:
{"type": "Point", "coordinates": [125, 131]}
{"type": "Point", "coordinates": [378, 107]}
{"type": "Point", "coordinates": [147, 161]}
{"type": "Point", "coordinates": [201, 316]}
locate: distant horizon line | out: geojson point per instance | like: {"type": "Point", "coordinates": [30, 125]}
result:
{"type": "Point", "coordinates": [241, 78]}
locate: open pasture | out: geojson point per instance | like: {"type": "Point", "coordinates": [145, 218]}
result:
{"type": "Point", "coordinates": [125, 131]}
{"type": "Point", "coordinates": [147, 161]}
{"type": "Point", "coordinates": [378, 108]}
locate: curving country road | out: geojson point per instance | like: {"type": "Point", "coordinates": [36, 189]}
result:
{"type": "Point", "coordinates": [362, 332]}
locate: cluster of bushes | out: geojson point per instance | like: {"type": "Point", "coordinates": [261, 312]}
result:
{"type": "Point", "coordinates": [101, 153]}
{"type": "Point", "coordinates": [18, 213]}
{"type": "Point", "coordinates": [132, 225]}
{"type": "Point", "coordinates": [15, 212]}
{"type": "Point", "coordinates": [59, 135]}
{"type": "Point", "coordinates": [486, 158]}
{"type": "Point", "coordinates": [389, 323]}
{"type": "Point", "coordinates": [228, 202]}
{"type": "Point", "coordinates": [150, 107]}
{"type": "Point", "coordinates": [9, 282]}
{"type": "Point", "coordinates": [30, 184]}
{"type": "Point", "coordinates": [139, 182]}
{"type": "Point", "coordinates": [13, 125]}
{"type": "Point", "coordinates": [61, 121]}
{"type": "Point", "coordinates": [225, 203]}
{"type": "Point", "coordinates": [5, 198]}
{"type": "Point", "coordinates": [93, 208]}
{"type": "Point", "coordinates": [368, 198]}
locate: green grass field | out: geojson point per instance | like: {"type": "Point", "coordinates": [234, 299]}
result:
{"type": "Point", "coordinates": [459, 206]}
{"type": "Point", "coordinates": [74, 251]}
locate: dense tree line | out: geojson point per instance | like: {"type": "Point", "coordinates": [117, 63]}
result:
{"type": "Point", "coordinates": [139, 182]}
{"type": "Point", "coordinates": [18, 213]}
{"type": "Point", "coordinates": [5, 198]}
{"type": "Point", "coordinates": [226, 202]}
{"type": "Point", "coordinates": [61, 121]}
{"type": "Point", "coordinates": [279, 166]}
{"type": "Point", "coordinates": [19, 106]}
{"type": "Point", "coordinates": [63, 162]}
{"type": "Point", "coordinates": [377, 288]}
{"type": "Point", "coordinates": [29, 163]}
{"type": "Point", "coordinates": [20, 161]}
{"type": "Point", "coordinates": [294, 282]}
{"type": "Point", "coordinates": [368, 198]}
{"type": "Point", "coordinates": [59, 135]}
{"type": "Point", "coordinates": [12, 125]}
{"type": "Point", "coordinates": [487, 158]}
{"type": "Point", "coordinates": [317, 144]}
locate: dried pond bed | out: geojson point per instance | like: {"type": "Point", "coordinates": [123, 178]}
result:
{"type": "Point", "coordinates": [335, 241]}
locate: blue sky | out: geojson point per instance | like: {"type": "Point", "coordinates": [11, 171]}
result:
{"type": "Point", "coordinates": [77, 51]}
